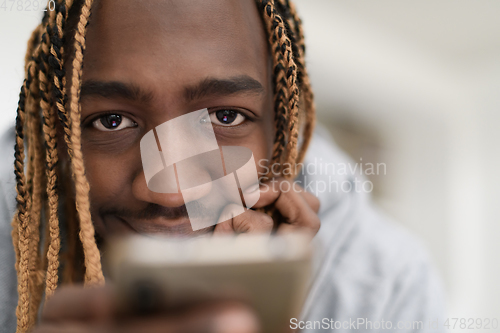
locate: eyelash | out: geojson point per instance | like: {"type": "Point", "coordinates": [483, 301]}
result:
{"type": "Point", "coordinates": [95, 120]}
{"type": "Point", "coordinates": [212, 113]}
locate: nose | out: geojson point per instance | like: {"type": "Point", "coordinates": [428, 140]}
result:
{"type": "Point", "coordinates": [141, 192]}
{"type": "Point", "coordinates": [174, 158]}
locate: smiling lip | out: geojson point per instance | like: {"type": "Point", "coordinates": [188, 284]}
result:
{"type": "Point", "coordinates": [175, 227]}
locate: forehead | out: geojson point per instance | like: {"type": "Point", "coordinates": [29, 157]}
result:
{"type": "Point", "coordinates": [166, 41]}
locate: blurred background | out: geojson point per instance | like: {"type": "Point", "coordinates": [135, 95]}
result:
{"type": "Point", "coordinates": [414, 85]}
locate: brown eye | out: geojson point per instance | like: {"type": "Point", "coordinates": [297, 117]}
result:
{"type": "Point", "coordinates": [112, 122]}
{"type": "Point", "coordinates": [227, 118]}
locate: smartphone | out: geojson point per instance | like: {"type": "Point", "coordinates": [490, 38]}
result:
{"type": "Point", "coordinates": [270, 273]}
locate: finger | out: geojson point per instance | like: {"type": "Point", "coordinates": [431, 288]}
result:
{"type": "Point", "coordinates": [219, 318]}
{"type": "Point", "coordinates": [297, 206]}
{"type": "Point", "coordinates": [249, 221]}
{"type": "Point", "coordinates": [296, 212]}
{"type": "Point", "coordinates": [311, 199]}
{"type": "Point", "coordinates": [71, 327]}
{"type": "Point", "coordinates": [286, 228]}
{"type": "Point", "coordinates": [225, 223]}
{"type": "Point", "coordinates": [76, 303]}
{"type": "Point", "coordinates": [271, 191]}
{"type": "Point", "coordinates": [211, 317]}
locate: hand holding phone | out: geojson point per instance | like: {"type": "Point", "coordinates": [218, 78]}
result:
{"type": "Point", "coordinates": [269, 273]}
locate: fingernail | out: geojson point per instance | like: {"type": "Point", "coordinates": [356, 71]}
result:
{"type": "Point", "coordinates": [237, 320]}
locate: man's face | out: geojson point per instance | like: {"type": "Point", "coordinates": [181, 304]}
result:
{"type": "Point", "coordinates": [147, 62]}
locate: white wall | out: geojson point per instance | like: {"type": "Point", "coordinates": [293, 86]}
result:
{"type": "Point", "coordinates": [15, 30]}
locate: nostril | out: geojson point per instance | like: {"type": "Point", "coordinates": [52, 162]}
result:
{"type": "Point", "coordinates": [142, 193]}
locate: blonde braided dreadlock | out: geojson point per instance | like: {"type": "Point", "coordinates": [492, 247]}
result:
{"type": "Point", "coordinates": [43, 104]}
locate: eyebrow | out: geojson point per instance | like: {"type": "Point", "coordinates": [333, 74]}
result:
{"type": "Point", "coordinates": [207, 87]}
{"type": "Point", "coordinates": [114, 89]}
{"type": "Point", "coordinates": [222, 87]}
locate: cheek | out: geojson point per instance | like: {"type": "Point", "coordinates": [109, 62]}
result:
{"type": "Point", "coordinates": [268, 135]}
{"type": "Point", "coordinates": [261, 143]}
{"type": "Point", "coordinates": [101, 172]}
{"type": "Point", "coordinates": [110, 177]}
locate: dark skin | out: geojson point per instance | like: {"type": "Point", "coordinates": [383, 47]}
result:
{"type": "Point", "coordinates": [149, 62]}
{"type": "Point", "coordinates": [169, 67]}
